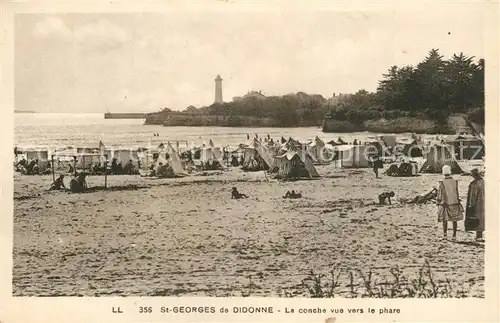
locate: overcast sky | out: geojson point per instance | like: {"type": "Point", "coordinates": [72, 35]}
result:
{"type": "Point", "coordinates": [144, 62]}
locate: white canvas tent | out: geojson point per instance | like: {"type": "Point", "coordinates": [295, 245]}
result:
{"type": "Point", "coordinates": [41, 154]}
{"type": "Point", "coordinates": [211, 152]}
{"type": "Point", "coordinates": [123, 156]}
{"type": "Point", "coordinates": [389, 140]}
{"type": "Point", "coordinates": [320, 152]}
{"type": "Point", "coordinates": [295, 164]}
{"type": "Point", "coordinates": [259, 153]}
{"type": "Point", "coordinates": [175, 161]}
{"type": "Point", "coordinates": [437, 157]}
{"type": "Point", "coordinates": [353, 156]}
{"type": "Point", "coordinates": [87, 160]}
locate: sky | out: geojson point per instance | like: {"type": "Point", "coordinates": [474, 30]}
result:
{"type": "Point", "coordinates": [143, 62]}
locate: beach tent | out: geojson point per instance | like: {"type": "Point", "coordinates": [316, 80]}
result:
{"type": "Point", "coordinates": [379, 148]}
{"type": "Point", "coordinates": [295, 165]}
{"type": "Point", "coordinates": [240, 150]}
{"type": "Point", "coordinates": [319, 151]}
{"type": "Point", "coordinates": [175, 161]}
{"type": "Point", "coordinates": [123, 156]}
{"type": "Point", "coordinates": [389, 140]}
{"type": "Point", "coordinates": [87, 150]}
{"type": "Point", "coordinates": [412, 149]}
{"type": "Point", "coordinates": [467, 147]}
{"type": "Point", "coordinates": [354, 156]}
{"type": "Point", "coordinates": [293, 144]}
{"type": "Point", "coordinates": [438, 156]}
{"type": "Point", "coordinates": [210, 153]}
{"type": "Point", "coordinates": [41, 154]}
{"type": "Point", "coordinates": [214, 152]}
{"type": "Point", "coordinates": [86, 160]}
{"type": "Point", "coordinates": [257, 153]}
{"type": "Point", "coordinates": [171, 167]}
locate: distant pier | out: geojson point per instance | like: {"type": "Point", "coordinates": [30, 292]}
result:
{"type": "Point", "coordinates": [132, 115]}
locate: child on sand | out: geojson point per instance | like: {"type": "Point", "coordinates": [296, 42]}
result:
{"type": "Point", "coordinates": [237, 195]}
{"type": "Point", "coordinates": [385, 198]}
{"type": "Point", "coordinates": [292, 195]}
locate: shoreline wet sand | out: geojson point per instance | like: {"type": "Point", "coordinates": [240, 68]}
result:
{"type": "Point", "coordinates": [187, 237]}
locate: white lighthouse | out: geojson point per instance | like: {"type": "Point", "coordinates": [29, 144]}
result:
{"type": "Point", "coordinates": [218, 89]}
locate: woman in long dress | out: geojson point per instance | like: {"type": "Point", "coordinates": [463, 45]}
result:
{"type": "Point", "coordinates": [474, 215]}
{"type": "Point", "coordinates": [449, 206]}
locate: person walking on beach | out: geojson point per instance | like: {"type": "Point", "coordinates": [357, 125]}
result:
{"type": "Point", "coordinates": [474, 212]}
{"type": "Point", "coordinates": [448, 201]}
{"type": "Point", "coordinates": [376, 164]}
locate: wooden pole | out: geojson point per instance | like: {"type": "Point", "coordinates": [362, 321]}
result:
{"type": "Point", "coordinates": [52, 164]}
{"type": "Point", "coordinates": [106, 171]}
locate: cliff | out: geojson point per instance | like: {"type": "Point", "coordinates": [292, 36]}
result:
{"type": "Point", "coordinates": [173, 119]}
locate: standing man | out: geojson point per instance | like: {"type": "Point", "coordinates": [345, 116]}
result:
{"type": "Point", "coordinates": [448, 201]}
{"type": "Point", "coordinates": [376, 164]}
{"type": "Point", "coordinates": [474, 214]}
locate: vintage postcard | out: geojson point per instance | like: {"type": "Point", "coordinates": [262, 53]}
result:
{"type": "Point", "coordinates": [249, 161]}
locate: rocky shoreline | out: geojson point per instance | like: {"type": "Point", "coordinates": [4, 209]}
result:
{"type": "Point", "coordinates": [455, 123]}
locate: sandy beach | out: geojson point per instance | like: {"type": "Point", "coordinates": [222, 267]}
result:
{"type": "Point", "coordinates": [187, 237]}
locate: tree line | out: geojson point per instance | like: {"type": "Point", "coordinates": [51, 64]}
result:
{"type": "Point", "coordinates": [434, 88]}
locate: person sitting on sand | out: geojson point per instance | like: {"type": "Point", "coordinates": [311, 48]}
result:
{"type": "Point", "coordinates": [234, 161]}
{"type": "Point", "coordinates": [427, 197]}
{"type": "Point", "coordinates": [120, 168]}
{"type": "Point", "coordinates": [237, 195]}
{"type": "Point", "coordinates": [253, 164]}
{"type": "Point", "coordinates": [78, 184]}
{"type": "Point", "coordinates": [35, 170]}
{"type": "Point", "coordinates": [58, 184]}
{"type": "Point", "coordinates": [129, 168]}
{"type": "Point", "coordinates": [30, 166]}
{"type": "Point", "coordinates": [114, 166]}
{"type": "Point", "coordinates": [160, 170]}
{"type": "Point", "coordinates": [385, 198]}
{"type": "Point", "coordinates": [292, 195]}
{"type": "Point", "coordinates": [23, 162]}
{"type": "Point", "coordinates": [355, 142]}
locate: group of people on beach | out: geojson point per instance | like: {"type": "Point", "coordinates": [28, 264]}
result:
{"type": "Point", "coordinates": [450, 208]}
{"type": "Point", "coordinates": [31, 168]}
{"type": "Point", "coordinates": [447, 198]}
{"type": "Point", "coordinates": [77, 184]}
{"type": "Point", "coordinates": [118, 169]}
{"type": "Point", "coordinates": [235, 194]}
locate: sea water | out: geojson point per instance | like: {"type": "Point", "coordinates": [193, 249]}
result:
{"type": "Point", "coordinates": [58, 130]}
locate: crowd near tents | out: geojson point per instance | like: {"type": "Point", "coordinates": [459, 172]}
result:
{"type": "Point", "coordinates": [285, 159]}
